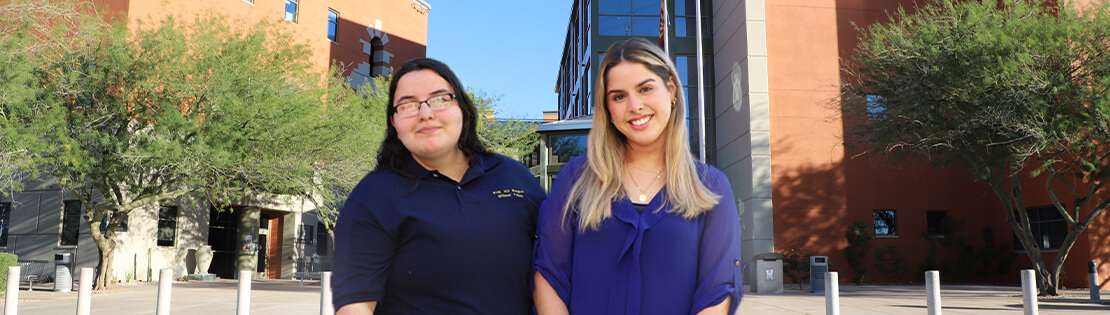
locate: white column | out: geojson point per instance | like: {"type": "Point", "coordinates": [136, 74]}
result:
{"type": "Point", "coordinates": [244, 299]}
{"type": "Point", "coordinates": [1029, 291]}
{"type": "Point", "coordinates": [832, 293]}
{"type": "Point", "coordinates": [84, 292]}
{"type": "Point", "coordinates": [326, 308]}
{"type": "Point", "coordinates": [165, 284]}
{"type": "Point", "coordinates": [932, 291]}
{"type": "Point", "coordinates": [11, 296]}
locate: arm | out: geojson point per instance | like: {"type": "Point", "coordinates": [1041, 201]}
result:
{"type": "Point", "coordinates": [362, 308]}
{"type": "Point", "coordinates": [547, 300]}
{"type": "Point", "coordinates": [552, 253]}
{"type": "Point", "coordinates": [719, 279]}
{"type": "Point", "coordinates": [720, 308]}
{"type": "Point", "coordinates": [364, 251]}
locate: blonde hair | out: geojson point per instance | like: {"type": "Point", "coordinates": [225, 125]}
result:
{"type": "Point", "coordinates": [600, 183]}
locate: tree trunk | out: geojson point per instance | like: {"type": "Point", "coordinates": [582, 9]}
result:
{"type": "Point", "coordinates": [1046, 284]}
{"type": "Point", "coordinates": [105, 264]}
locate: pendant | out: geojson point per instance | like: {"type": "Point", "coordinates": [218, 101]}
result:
{"type": "Point", "coordinates": [643, 197]}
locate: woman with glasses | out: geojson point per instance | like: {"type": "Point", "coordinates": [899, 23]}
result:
{"type": "Point", "coordinates": [638, 226]}
{"type": "Point", "coordinates": [441, 225]}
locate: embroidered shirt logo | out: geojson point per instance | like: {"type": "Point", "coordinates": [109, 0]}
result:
{"type": "Point", "coordinates": [508, 192]}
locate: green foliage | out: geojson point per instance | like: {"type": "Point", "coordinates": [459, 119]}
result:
{"type": "Point", "coordinates": [890, 261]}
{"type": "Point", "coordinates": [994, 88]}
{"type": "Point", "coordinates": [7, 260]}
{"type": "Point", "coordinates": [950, 254]}
{"type": "Point", "coordinates": [126, 116]}
{"type": "Point", "coordinates": [796, 267]}
{"type": "Point", "coordinates": [507, 136]}
{"type": "Point", "coordinates": [859, 237]}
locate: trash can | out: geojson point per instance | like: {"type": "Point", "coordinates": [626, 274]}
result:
{"type": "Point", "coordinates": [768, 273]}
{"type": "Point", "coordinates": [818, 266]}
{"type": "Point", "coordinates": [63, 276]}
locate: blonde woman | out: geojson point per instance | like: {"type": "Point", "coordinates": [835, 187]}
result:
{"type": "Point", "coordinates": [638, 226]}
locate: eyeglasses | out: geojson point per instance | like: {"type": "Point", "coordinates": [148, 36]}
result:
{"type": "Point", "coordinates": [435, 103]}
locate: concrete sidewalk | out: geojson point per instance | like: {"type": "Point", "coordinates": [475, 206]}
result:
{"type": "Point", "coordinates": [188, 298]}
{"type": "Point", "coordinates": [289, 297]}
{"type": "Point", "coordinates": [910, 299]}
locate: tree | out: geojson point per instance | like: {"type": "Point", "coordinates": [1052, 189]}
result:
{"type": "Point", "coordinates": [1009, 92]}
{"type": "Point", "coordinates": [511, 137]}
{"type": "Point", "coordinates": [126, 117]}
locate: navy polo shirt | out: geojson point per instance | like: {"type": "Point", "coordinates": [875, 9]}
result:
{"type": "Point", "coordinates": [439, 246]}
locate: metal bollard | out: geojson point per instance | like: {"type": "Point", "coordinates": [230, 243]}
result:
{"type": "Point", "coordinates": [832, 293]}
{"type": "Point", "coordinates": [1029, 291]}
{"type": "Point", "coordinates": [165, 284]}
{"type": "Point", "coordinates": [326, 308]}
{"type": "Point", "coordinates": [244, 298]}
{"type": "Point", "coordinates": [1092, 280]}
{"type": "Point", "coordinates": [932, 291]}
{"type": "Point", "coordinates": [84, 292]}
{"type": "Point", "coordinates": [11, 296]}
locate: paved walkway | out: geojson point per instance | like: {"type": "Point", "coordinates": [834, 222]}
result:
{"type": "Point", "coordinates": [910, 299]}
{"type": "Point", "coordinates": [288, 297]}
{"type": "Point", "coordinates": [188, 298]}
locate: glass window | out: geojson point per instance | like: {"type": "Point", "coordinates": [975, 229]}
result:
{"type": "Point", "coordinates": [1049, 227]}
{"type": "Point", "coordinates": [291, 10]}
{"type": "Point", "coordinates": [937, 222]}
{"type": "Point", "coordinates": [5, 221]}
{"type": "Point", "coordinates": [647, 7]}
{"type": "Point", "coordinates": [615, 25]}
{"type": "Point", "coordinates": [306, 234]}
{"type": "Point", "coordinates": [321, 239]}
{"type": "Point", "coordinates": [886, 224]}
{"type": "Point", "coordinates": [625, 18]}
{"type": "Point", "coordinates": [564, 147]}
{"type": "Point", "coordinates": [107, 218]}
{"type": "Point", "coordinates": [685, 19]}
{"type": "Point", "coordinates": [71, 222]}
{"type": "Point", "coordinates": [614, 7]}
{"type": "Point", "coordinates": [167, 225]}
{"type": "Point", "coordinates": [876, 107]}
{"type": "Point", "coordinates": [333, 22]}
{"type": "Point", "coordinates": [645, 26]}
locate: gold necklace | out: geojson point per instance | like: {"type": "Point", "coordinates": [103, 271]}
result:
{"type": "Point", "coordinates": [643, 195]}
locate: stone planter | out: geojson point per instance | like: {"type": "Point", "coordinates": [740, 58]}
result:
{"type": "Point", "coordinates": [204, 259]}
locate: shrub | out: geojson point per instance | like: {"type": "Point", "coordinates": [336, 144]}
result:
{"type": "Point", "coordinates": [7, 260]}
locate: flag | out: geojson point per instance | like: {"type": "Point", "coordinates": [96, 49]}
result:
{"type": "Point", "coordinates": [663, 25]}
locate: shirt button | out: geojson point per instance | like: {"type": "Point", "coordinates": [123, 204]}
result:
{"type": "Point", "coordinates": [459, 187]}
{"type": "Point", "coordinates": [737, 262]}
{"type": "Point", "coordinates": [435, 175]}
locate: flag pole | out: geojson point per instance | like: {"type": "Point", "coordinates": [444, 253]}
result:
{"type": "Point", "coordinates": [701, 85]}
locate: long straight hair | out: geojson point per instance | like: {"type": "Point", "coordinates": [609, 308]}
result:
{"type": "Point", "coordinates": [600, 183]}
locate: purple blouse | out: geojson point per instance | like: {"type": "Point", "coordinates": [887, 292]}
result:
{"type": "Point", "coordinates": [650, 263]}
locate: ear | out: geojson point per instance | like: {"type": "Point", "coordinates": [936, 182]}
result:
{"type": "Point", "coordinates": [672, 85]}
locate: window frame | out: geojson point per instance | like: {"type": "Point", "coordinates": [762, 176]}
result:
{"type": "Point", "coordinates": [296, 11]}
{"type": "Point", "coordinates": [888, 225]}
{"type": "Point", "coordinates": [333, 26]}
{"type": "Point", "coordinates": [5, 222]}
{"type": "Point", "coordinates": [75, 230]}
{"type": "Point", "coordinates": [321, 239]}
{"type": "Point", "coordinates": [1037, 225]}
{"type": "Point", "coordinates": [171, 222]}
{"type": "Point", "coordinates": [306, 234]}
{"type": "Point", "coordinates": [933, 227]}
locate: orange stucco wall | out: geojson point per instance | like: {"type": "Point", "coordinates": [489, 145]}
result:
{"type": "Point", "coordinates": [820, 188]}
{"type": "Point", "coordinates": [404, 21]}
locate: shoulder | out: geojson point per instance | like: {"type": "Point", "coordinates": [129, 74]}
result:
{"type": "Point", "coordinates": [574, 166]}
{"type": "Point", "coordinates": [712, 177]}
{"type": "Point", "coordinates": [378, 182]}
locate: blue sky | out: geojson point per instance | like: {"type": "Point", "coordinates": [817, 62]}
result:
{"type": "Point", "coordinates": [505, 48]}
